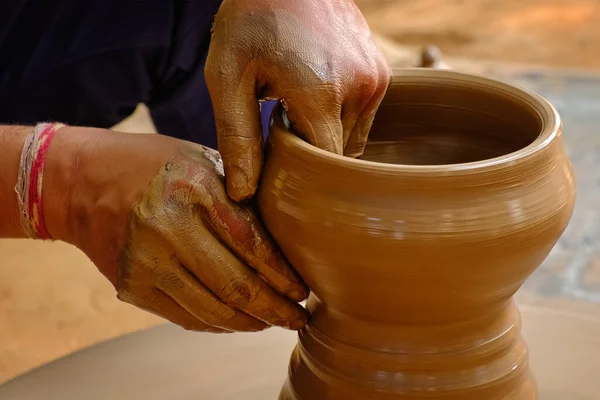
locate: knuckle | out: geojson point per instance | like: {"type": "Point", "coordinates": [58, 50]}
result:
{"type": "Point", "coordinates": [217, 72]}
{"type": "Point", "coordinates": [366, 84]}
{"type": "Point", "coordinates": [239, 293]}
{"type": "Point", "coordinates": [369, 79]}
{"type": "Point", "coordinates": [171, 280]}
{"type": "Point", "coordinates": [375, 79]}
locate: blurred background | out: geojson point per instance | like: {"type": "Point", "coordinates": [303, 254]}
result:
{"type": "Point", "coordinates": [53, 301]}
{"type": "Point", "coordinates": [550, 32]}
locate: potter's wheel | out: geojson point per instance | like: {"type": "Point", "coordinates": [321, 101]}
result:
{"type": "Point", "coordinates": [169, 363]}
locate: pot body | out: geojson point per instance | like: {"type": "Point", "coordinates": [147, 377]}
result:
{"type": "Point", "coordinates": [412, 266]}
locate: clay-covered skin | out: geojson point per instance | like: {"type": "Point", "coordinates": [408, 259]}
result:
{"type": "Point", "coordinates": [318, 57]}
{"type": "Point", "coordinates": [414, 252]}
{"type": "Point", "coordinates": [153, 215]}
{"type": "Point", "coordinates": [201, 260]}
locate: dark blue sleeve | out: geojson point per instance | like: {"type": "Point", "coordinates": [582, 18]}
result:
{"type": "Point", "coordinates": [81, 62]}
{"type": "Point", "coordinates": [91, 63]}
{"type": "Point", "coordinates": [183, 108]}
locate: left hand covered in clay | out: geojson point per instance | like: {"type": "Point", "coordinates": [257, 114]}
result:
{"type": "Point", "coordinates": [318, 57]}
{"type": "Point", "coordinates": [153, 215]}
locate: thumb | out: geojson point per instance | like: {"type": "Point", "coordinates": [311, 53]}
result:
{"type": "Point", "coordinates": [239, 132]}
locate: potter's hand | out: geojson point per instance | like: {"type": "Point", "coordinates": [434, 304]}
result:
{"type": "Point", "coordinates": [173, 243]}
{"type": "Point", "coordinates": [318, 57]}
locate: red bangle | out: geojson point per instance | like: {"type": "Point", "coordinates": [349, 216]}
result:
{"type": "Point", "coordinates": [31, 177]}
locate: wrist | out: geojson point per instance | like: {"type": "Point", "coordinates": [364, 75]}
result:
{"type": "Point", "coordinates": [81, 194]}
{"type": "Point", "coordinates": [60, 183]}
{"type": "Point", "coordinates": [95, 178]}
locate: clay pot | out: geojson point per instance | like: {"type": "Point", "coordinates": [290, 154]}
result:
{"type": "Point", "coordinates": [414, 252]}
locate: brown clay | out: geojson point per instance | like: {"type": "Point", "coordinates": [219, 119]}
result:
{"type": "Point", "coordinates": [414, 252]}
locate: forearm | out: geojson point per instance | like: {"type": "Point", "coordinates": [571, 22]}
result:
{"type": "Point", "coordinates": [58, 174]}
{"type": "Point", "coordinates": [92, 178]}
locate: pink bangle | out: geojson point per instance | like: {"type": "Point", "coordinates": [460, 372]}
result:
{"type": "Point", "coordinates": [31, 177]}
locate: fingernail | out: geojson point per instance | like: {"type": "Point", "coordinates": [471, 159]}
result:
{"type": "Point", "coordinates": [297, 295]}
{"type": "Point", "coordinates": [238, 185]}
{"type": "Point", "coordinates": [239, 181]}
{"type": "Point", "coordinates": [298, 324]}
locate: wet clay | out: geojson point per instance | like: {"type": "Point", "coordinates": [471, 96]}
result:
{"type": "Point", "coordinates": [414, 252]}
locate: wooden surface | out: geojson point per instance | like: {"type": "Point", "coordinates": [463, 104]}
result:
{"type": "Point", "coordinates": [53, 301]}
{"type": "Point", "coordinates": [169, 363]}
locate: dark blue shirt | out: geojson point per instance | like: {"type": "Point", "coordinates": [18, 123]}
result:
{"type": "Point", "coordinates": [91, 62]}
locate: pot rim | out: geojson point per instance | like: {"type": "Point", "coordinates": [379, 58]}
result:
{"type": "Point", "coordinates": [551, 128]}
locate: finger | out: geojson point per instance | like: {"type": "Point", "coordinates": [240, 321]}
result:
{"type": "Point", "coordinates": [194, 297]}
{"type": "Point", "coordinates": [316, 117]}
{"type": "Point", "coordinates": [158, 303]}
{"type": "Point", "coordinates": [151, 263]}
{"type": "Point", "coordinates": [144, 266]}
{"type": "Point", "coordinates": [350, 115]}
{"type": "Point", "coordinates": [361, 90]}
{"type": "Point", "coordinates": [360, 133]}
{"type": "Point", "coordinates": [241, 230]}
{"type": "Point", "coordinates": [237, 119]}
{"type": "Point", "coordinates": [234, 283]}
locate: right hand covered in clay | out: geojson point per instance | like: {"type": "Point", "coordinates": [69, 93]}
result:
{"type": "Point", "coordinates": [317, 56]}
{"type": "Point", "coordinates": [152, 213]}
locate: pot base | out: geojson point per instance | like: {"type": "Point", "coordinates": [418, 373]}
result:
{"type": "Point", "coordinates": [339, 357]}
{"type": "Point", "coordinates": [168, 362]}
{"type": "Point", "coordinates": [528, 391]}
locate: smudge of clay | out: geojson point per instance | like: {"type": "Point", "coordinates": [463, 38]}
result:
{"type": "Point", "coordinates": [414, 252]}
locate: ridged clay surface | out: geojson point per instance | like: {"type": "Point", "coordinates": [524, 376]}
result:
{"type": "Point", "coordinates": [414, 252]}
